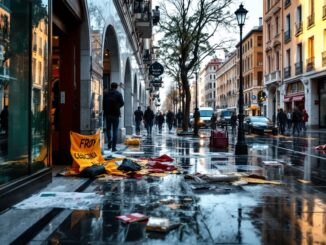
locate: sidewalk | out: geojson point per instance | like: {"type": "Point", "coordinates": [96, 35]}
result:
{"type": "Point", "coordinates": [208, 213]}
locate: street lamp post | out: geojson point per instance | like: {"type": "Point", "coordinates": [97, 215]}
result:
{"type": "Point", "coordinates": [241, 147]}
{"type": "Point", "coordinates": [196, 112]}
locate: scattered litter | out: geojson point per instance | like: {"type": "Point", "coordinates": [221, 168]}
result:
{"type": "Point", "coordinates": [160, 224]}
{"type": "Point", "coordinates": [106, 177]}
{"type": "Point", "coordinates": [68, 200]}
{"type": "Point", "coordinates": [304, 181]}
{"type": "Point", "coordinates": [133, 217]}
{"type": "Point", "coordinates": [132, 141]}
{"type": "Point", "coordinates": [163, 158]}
{"type": "Point", "coordinates": [212, 177]}
{"type": "Point", "coordinates": [259, 181]}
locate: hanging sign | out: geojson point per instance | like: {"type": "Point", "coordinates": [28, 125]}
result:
{"type": "Point", "coordinates": [156, 69]}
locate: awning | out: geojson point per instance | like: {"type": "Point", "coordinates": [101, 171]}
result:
{"type": "Point", "coordinates": [254, 107]}
{"type": "Point", "coordinates": [298, 98]}
{"type": "Point", "coordinates": [287, 99]}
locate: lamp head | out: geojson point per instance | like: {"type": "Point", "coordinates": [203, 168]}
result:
{"type": "Point", "coordinates": [241, 13]}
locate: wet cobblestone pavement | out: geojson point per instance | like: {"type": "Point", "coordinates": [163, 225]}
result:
{"type": "Point", "coordinates": [291, 213]}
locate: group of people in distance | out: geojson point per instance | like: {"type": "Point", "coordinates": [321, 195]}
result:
{"type": "Point", "coordinates": [296, 120]}
{"type": "Point", "coordinates": [150, 119]}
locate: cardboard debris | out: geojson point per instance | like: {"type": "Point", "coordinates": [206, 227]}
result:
{"type": "Point", "coordinates": [259, 181]}
{"type": "Point", "coordinates": [304, 181]}
{"type": "Point", "coordinates": [160, 224]}
{"type": "Point", "coordinates": [68, 200]}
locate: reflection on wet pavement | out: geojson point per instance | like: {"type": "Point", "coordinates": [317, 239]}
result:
{"type": "Point", "coordinates": [291, 213]}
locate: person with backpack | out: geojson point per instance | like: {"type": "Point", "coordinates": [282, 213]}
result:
{"type": "Point", "coordinates": [138, 118]}
{"type": "Point", "coordinates": [148, 119]}
{"type": "Point", "coordinates": [112, 102]}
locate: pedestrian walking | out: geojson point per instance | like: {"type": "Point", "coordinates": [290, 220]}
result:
{"type": "Point", "coordinates": [112, 102]}
{"type": "Point", "coordinates": [179, 119]}
{"type": "Point", "coordinates": [138, 114]}
{"type": "Point", "coordinates": [170, 119]}
{"type": "Point", "coordinates": [281, 120]}
{"type": "Point", "coordinates": [160, 121]}
{"type": "Point", "coordinates": [148, 119]}
{"type": "Point", "coordinates": [296, 120]}
{"type": "Point", "coordinates": [4, 120]}
{"type": "Point", "coordinates": [213, 121]}
{"type": "Point", "coordinates": [289, 119]}
{"type": "Point", "coordinates": [305, 118]}
{"type": "Point", "coordinates": [234, 122]}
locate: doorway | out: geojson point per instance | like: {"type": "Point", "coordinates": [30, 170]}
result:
{"type": "Point", "coordinates": [65, 82]}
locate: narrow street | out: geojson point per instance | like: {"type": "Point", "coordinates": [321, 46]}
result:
{"type": "Point", "coordinates": [293, 212]}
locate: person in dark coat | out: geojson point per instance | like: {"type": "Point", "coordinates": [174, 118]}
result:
{"type": "Point", "coordinates": [296, 120]}
{"type": "Point", "coordinates": [138, 118]}
{"type": "Point", "coordinates": [234, 122]}
{"type": "Point", "coordinates": [305, 118]}
{"type": "Point", "coordinates": [281, 120]}
{"type": "Point", "coordinates": [148, 119]}
{"type": "Point", "coordinates": [160, 121]}
{"type": "Point", "coordinates": [170, 119]}
{"type": "Point", "coordinates": [213, 121]}
{"type": "Point", "coordinates": [112, 102]}
{"type": "Point", "coordinates": [179, 119]}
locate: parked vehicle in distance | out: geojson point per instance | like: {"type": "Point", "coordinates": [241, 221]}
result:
{"type": "Point", "coordinates": [224, 116]}
{"type": "Point", "coordinates": [260, 125]}
{"type": "Point", "coordinates": [205, 116]}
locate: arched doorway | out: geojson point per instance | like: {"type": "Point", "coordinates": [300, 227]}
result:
{"type": "Point", "coordinates": [111, 58]}
{"type": "Point", "coordinates": [128, 97]}
{"type": "Point", "coordinates": [70, 49]}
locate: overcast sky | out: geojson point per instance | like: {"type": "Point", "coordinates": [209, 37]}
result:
{"type": "Point", "coordinates": [255, 10]}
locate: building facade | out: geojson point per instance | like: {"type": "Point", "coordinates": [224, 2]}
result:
{"type": "Point", "coordinates": [295, 65]}
{"type": "Point", "coordinates": [54, 69]}
{"type": "Point", "coordinates": [209, 91]}
{"type": "Point", "coordinates": [252, 60]}
{"type": "Point", "coordinates": [226, 83]}
{"type": "Point", "coordinates": [273, 55]}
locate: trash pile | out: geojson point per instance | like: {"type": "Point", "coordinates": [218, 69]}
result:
{"type": "Point", "coordinates": [89, 162]}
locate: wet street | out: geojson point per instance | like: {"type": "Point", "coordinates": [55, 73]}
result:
{"type": "Point", "coordinates": [292, 212]}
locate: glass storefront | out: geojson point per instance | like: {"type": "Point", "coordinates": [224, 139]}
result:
{"type": "Point", "coordinates": [23, 88]}
{"type": "Point", "coordinates": [322, 103]}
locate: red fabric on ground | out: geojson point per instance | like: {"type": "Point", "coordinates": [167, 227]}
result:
{"type": "Point", "coordinates": [163, 158]}
{"type": "Point", "coordinates": [161, 166]}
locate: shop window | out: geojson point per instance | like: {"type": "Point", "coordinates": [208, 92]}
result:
{"type": "Point", "coordinates": [23, 146]}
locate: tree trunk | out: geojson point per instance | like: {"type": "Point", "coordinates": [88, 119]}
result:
{"type": "Point", "coordinates": [186, 92]}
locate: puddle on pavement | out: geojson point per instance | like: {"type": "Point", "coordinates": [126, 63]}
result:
{"type": "Point", "coordinates": [291, 213]}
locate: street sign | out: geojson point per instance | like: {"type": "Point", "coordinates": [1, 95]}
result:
{"type": "Point", "coordinates": [156, 69]}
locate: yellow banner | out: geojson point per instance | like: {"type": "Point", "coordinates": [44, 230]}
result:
{"type": "Point", "coordinates": [86, 151]}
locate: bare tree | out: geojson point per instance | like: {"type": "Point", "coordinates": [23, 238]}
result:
{"type": "Point", "coordinates": [189, 27]}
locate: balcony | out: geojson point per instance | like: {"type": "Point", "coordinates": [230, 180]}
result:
{"type": "Point", "coordinates": [287, 36]}
{"type": "Point", "coordinates": [143, 19]}
{"type": "Point", "coordinates": [311, 20]}
{"type": "Point", "coordinates": [324, 12]}
{"type": "Point", "coordinates": [287, 3]}
{"type": "Point", "coordinates": [287, 72]}
{"type": "Point", "coordinates": [298, 68]}
{"type": "Point", "coordinates": [273, 77]}
{"type": "Point", "coordinates": [298, 28]}
{"type": "Point", "coordinates": [323, 57]}
{"type": "Point", "coordinates": [310, 64]}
